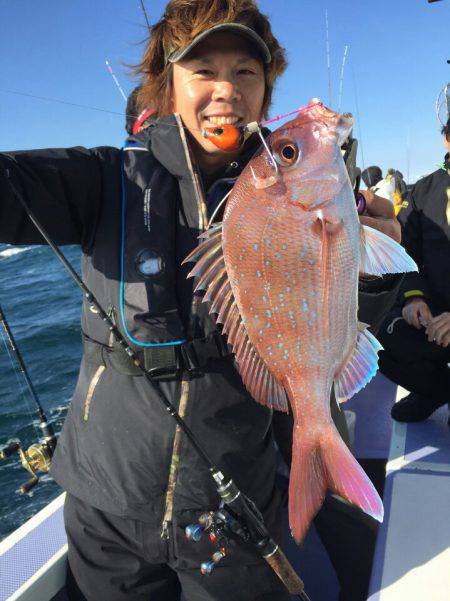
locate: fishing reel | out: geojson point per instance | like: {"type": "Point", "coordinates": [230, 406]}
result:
{"type": "Point", "coordinates": [37, 458]}
{"type": "Point", "coordinates": [221, 527]}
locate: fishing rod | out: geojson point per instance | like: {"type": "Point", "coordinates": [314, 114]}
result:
{"type": "Point", "coordinates": [38, 456]}
{"type": "Point", "coordinates": [237, 516]}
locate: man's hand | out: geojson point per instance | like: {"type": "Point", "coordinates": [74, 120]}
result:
{"type": "Point", "coordinates": [417, 313]}
{"type": "Point", "coordinates": [380, 215]}
{"type": "Point", "coordinates": [438, 330]}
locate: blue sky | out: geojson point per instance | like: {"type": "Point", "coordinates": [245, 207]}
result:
{"type": "Point", "coordinates": [396, 67]}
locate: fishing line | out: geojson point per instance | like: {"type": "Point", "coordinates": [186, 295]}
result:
{"type": "Point", "coordinates": [327, 37]}
{"type": "Point", "coordinates": [93, 108]}
{"type": "Point", "coordinates": [218, 208]}
{"type": "Point", "coordinates": [46, 98]}
{"type": "Point", "coordinates": [145, 14]}
{"type": "Point", "coordinates": [23, 394]}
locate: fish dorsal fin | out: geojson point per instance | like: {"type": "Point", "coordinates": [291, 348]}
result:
{"type": "Point", "coordinates": [212, 277]}
{"type": "Point", "coordinates": [361, 366]}
{"type": "Point", "coordinates": [381, 254]}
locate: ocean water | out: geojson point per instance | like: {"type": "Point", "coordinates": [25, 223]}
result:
{"type": "Point", "coordinates": [42, 305]}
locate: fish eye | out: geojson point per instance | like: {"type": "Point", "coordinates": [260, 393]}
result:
{"type": "Point", "coordinates": [286, 153]}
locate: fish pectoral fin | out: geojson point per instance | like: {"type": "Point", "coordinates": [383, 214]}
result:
{"type": "Point", "coordinates": [381, 254]}
{"type": "Point", "coordinates": [361, 366]}
{"type": "Point", "coordinates": [329, 223]}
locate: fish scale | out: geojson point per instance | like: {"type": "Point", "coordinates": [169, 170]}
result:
{"type": "Point", "coordinates": [289, 249]}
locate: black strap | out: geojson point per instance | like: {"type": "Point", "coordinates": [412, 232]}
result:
{"type": "Point", "coordinates": [171, 359]}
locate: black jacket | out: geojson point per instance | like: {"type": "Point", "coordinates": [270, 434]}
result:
{"type": "Point", "coordinates": [118, 446]}
{"type": "Point", "coordinates": [426, 237]}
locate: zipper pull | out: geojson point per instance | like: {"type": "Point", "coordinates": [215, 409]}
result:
{"type": "Point", "coordinates": [165, 530]}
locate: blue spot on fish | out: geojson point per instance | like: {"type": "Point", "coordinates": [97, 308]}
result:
{"type": "Point", "coordinates": [267, 263]}
{"type": "Point", "coordinates": [264, 298]}
{"type": "Point", "coordinates": [269, 313]}
{"type": "Point", "coordinates": [258, 273]}
{"type": "Point", "coordinates": [255, 246]}
{"type": "Point", "coordinates": [268, 324]}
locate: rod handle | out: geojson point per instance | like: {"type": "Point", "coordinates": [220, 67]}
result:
{"type": "Point", "coordinates": [285, 572]}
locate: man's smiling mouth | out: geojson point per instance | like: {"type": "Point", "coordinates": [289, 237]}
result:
{"type": "Point", "coordinates": [223, 120]}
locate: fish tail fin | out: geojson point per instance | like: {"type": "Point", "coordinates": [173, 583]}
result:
{"type": "Point", "coordinates": [325, 463]}
{"type": "Point", "coordinates": [347, 478]}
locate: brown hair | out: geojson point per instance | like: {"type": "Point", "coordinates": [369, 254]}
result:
{"type": "Point", "coordinates": [182, 21]}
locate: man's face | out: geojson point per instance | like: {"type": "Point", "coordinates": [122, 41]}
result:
{"type": "Point", "coordinates": [447, 141]}
{"type": "Point", "coordinates": [221, 81]}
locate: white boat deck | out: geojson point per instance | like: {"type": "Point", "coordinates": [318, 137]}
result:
{"type": "Point", "coordinates": [412, 558]}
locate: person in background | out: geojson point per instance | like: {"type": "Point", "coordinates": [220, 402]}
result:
{"type": "Point", "coordinates": [416, 335]}
{"type": "Point", "coordinates": [371, 176]}
{"type": "Point", "coordinates": [400, 184]}
{"type": "Point", "coordinates": [137, 119]}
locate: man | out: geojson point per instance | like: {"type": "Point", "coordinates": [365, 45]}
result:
{"type": "Point", "coordinates": [371, 176]}
{"type": "Point", "coordinates": [416, 336]}
{"type": "Point", "coordinates": [133, 481]}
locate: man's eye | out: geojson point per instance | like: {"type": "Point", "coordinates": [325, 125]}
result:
{"type": "Point", "coordinates": [246, 72]}
{"type": "Point", "coordinates": [206, 72]}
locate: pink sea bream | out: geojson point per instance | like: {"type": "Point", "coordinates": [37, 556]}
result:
{"type": "Point", "coordinates": [281, 274]}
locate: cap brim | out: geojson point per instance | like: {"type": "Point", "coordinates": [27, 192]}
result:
{"type": "Point", "coordinates": [235, 28]}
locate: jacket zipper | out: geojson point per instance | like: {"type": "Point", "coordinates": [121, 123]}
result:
{"type": "Point", "coordinates": [99, 372]}
{"type": "Point", "coordinates": [175, 458]}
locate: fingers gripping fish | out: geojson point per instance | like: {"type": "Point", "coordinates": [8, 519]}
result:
{"type": "Point", "coordinates": [281, 274]}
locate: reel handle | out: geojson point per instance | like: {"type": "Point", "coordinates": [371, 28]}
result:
{"type": "Point", "coordinates": [29, 485]}
{"type": "Point", "coordinates": [9, 449]}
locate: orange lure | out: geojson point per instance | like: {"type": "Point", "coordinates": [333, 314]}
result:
{"type": "Point", "coordinates": [225, 137]}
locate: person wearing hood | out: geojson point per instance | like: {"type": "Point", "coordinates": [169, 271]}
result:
{"type": "Point", "coordinates": [416, 335]}
{"type": "Point", "coordinates": [133, 481]}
